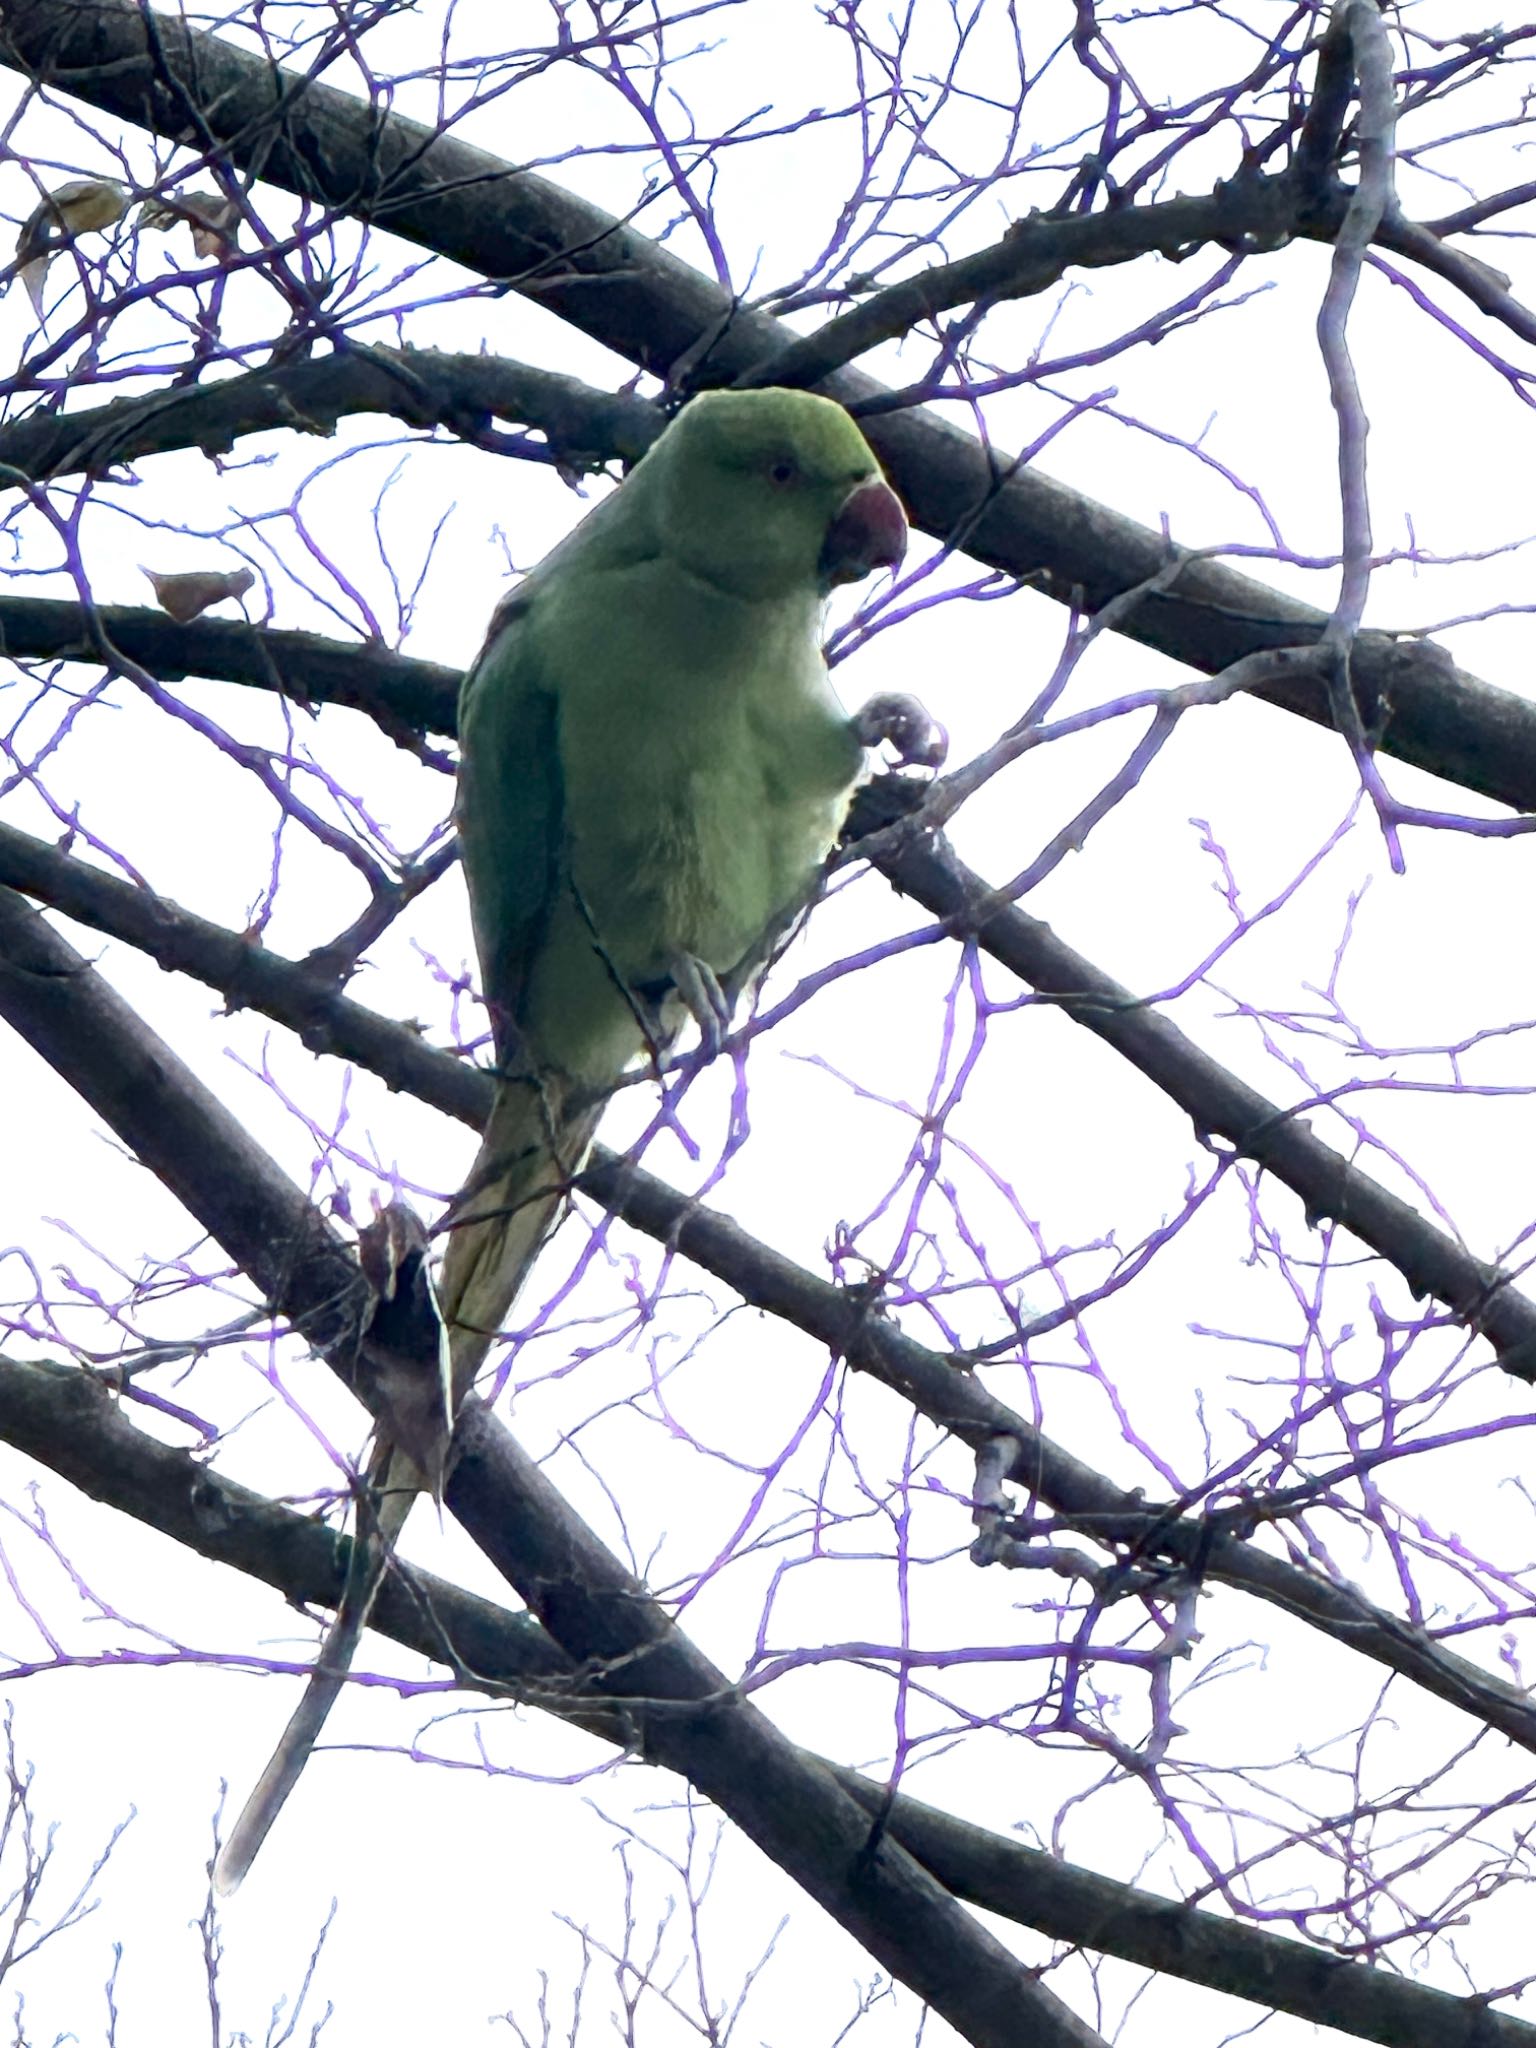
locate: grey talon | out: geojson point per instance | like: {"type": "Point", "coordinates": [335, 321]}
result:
{"type": "Point", "coordinates": [703, 998]}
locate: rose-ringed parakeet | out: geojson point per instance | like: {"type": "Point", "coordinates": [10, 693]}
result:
{"type": "Point", "coordinates": [653, 771]}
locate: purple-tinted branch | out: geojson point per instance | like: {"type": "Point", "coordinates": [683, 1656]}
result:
{"type": "Point", "coordinates": [338, 958]}
{"type": "Point", "coordinates": [1081, 1499]}
{"type": "Point", "coordinates": [951, 1398]}
{"type": "Point", "coordinates": [1247, 215]}
{"type": "Point", "coordinates": [247, 975]}
{"type": "Point", "coordinates": [1488, 736]}
{"type": "Point", "coordinates": [1368, 207]}
{"type": "Point", "coordinates": [949, 792]}
{"type": "Point", "coordinates": [593, 1607]}
{"type": "Point", "coordinates": [1036, 253]}
{"type": "Point", "coordinates": [1200, 118]}
{"type": "Point", "coordinates": [924, 869]}
{"type": "Point", "coordinates": [1518, 380]}
{"type": "Point", "coordinates": [1486, 288]}
{"type": "Point", "coordinates": [969, 387]}
{"type": "Point", "coordinates": [69, 1423]}
{"type": "Point", "coordinates": [1472, 53]}
{"type": "Point", "coordinates": [619, 287]}
{"type": "Point", "coordinates": [1221, 1105]}
{"type": "Point", "coordinates": [256, 761]}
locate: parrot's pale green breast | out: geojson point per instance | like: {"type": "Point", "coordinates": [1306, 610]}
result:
{"type": "Point", "coordinates": [734, 761]}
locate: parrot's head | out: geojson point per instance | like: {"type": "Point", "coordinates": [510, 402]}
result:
{"type": "Point", "coordinates": [770, 493]}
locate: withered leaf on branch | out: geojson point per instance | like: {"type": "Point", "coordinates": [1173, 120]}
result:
{"type": "Point", "coordinates": [408, 1350]}
{"type": "Point", "coordinates": [212, 216]}
{"type": "Point", "coordinates": [83, 206]}
{"type": "Point", "coordinates": [188, 594]}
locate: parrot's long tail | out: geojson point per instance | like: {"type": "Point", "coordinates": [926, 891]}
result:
{"type": "Point", "coordinates": [371, 1551]}
{"type": "Point", "coordinates": [532, 1149]}
{"type": "Point", "coordinates": [535, 1144]}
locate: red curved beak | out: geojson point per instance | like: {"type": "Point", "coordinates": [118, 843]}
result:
{"type": "Point", "coordinates": [869, 533]}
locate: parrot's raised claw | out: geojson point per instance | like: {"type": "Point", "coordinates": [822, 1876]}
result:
{"type": "Point", "coordinates": [703, 998]}
{"type": "Point", "coordinates": [894, 719]}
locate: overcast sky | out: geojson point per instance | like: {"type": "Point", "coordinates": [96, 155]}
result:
{"type": "Point", "coordinates": [457, 1872]}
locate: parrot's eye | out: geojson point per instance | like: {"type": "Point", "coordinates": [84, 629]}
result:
{"type": "Point", "coordinates": [783, 471]}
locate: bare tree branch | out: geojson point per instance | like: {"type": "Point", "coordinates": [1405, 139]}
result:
{"type": "Point", "coordinates": [68, 1421]}
{"type": "Point", "coordinates": [583, 428]}
{"type": "Point", "coordinates": [1250, 212]}
{"type": "Point", "coordinates": [1488, 735]}
{"type": "Point", "coordinates": [1213, 1547]}
{"type": "Point", "coordinates": [1220, 1104]}
{"type": "Point", "coordinates": [1344, 1406]}
{"type": "Point", "coordinates": [246, 974]}
{"type": "Point", "coordinates": [1472, 215]}
{"type": "Point", "coordinates": [595, 1610]}
{"type": "Point", "coordinates": [619, 287]}
{"type": "Point", "coordinates": [922, 867]}
{"type": "Point", "coordinates": [402, 695]}
{"type": "Point", "coordinates": [953, 1399]}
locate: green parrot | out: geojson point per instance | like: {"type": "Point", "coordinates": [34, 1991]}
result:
{"type": "Point", "coordinates": [654, 769]}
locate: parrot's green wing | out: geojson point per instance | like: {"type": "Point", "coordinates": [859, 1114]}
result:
{"type": "Point", "coordinates": [510, 810]}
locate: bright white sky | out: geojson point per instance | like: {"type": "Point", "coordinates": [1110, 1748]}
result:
{"type": "Point", "coordinates": [453, 1885]}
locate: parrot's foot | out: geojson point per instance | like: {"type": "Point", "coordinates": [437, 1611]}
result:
{"type": "Point", "coordinates": [703, 997]}
{"type": "Point", "coordinates": [897, 720]}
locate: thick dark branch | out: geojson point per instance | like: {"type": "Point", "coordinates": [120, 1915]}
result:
{"type": "Point", "coordinates": [139, 1088]}
{"type": "Point", "coordinates": [401, 695]}
{"type": "Point", "coordinates": [1315, 165]}
{"type": "Point", "coordinates": [1486, 288]}
{"type": "Point", "coordinates": [795, 1810]}
{"type": "Point", "coordinates": [951, 1398]}
{"type": "Point", "coordinates": [1472, 215]}
{"type": "Point", "coordinates": [635, 297]}
{"type": "Point", "coordinates": [1075, 1905]}
{"type": "Point", "coordinates": [246, 974]}
{"type": "Point", "coordinates": [957, 1401]}
{"type": "Point", "coordinates": [594, 1609]}
{"type": "Point", "coordinates": [583, 428]}
{"type": "Point", "coordinates": [1221, 1106]}
{"type": "Point", "coordinates": [1251, 213]}
{"type": "Point", "coordinates": [68, 1421]}
{"type": "Point", "coordinates": [426, 186]}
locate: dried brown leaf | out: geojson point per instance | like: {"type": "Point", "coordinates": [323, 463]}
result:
{"type": "Point", "coordinates": [188, 594]}
{"type": "Point", "coordinates": [84, 206]}
{"type": "Point", "coordinates": [212, 216]}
